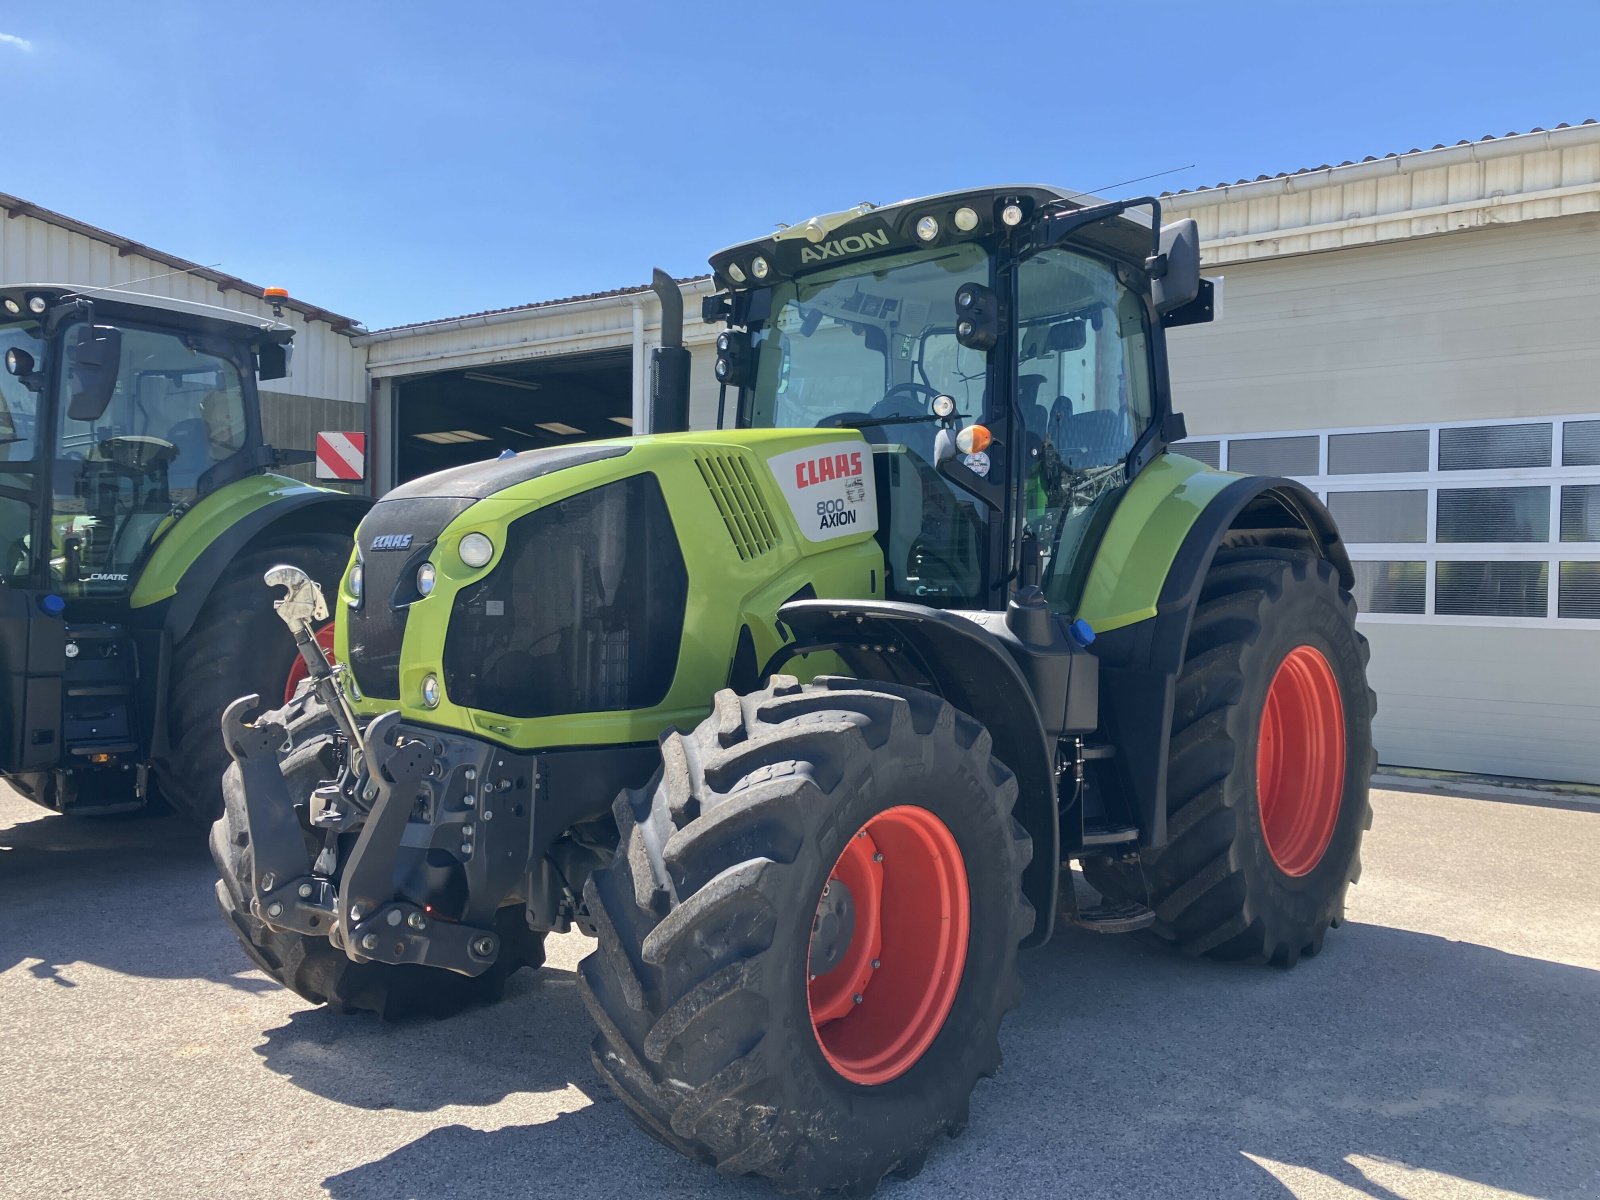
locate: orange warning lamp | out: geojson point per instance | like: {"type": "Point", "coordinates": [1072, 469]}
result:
{"type": "Point", "coordinates": [277, 297]}
{"type": "Point", "coordinates": [974, 439]}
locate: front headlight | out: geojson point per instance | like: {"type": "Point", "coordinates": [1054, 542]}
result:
{"type": "Point", "coordinates": [476, 550]}
{"type": "Point", "coordinates": [426, 576]}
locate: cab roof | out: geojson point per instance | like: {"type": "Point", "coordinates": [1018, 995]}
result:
{"type": "Point", "coordinates": [238, 321]}
{"type": "Point", "coordinates": [832, 238]}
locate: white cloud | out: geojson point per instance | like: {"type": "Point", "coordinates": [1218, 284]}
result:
{"type": "Point", "coordinates": [20, 43]}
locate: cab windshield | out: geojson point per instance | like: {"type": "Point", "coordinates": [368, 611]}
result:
{"type": "Point", "coordinates": [871, 341]}
{"type": "Point", "coordinates": [870, 345]}
{"type": "Point", "coordinates": [177, 412]}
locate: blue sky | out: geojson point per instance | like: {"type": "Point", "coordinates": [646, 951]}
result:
{"type": "Point", "coordinates": [405, 161]}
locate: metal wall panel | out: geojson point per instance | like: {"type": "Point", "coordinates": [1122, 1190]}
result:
{"type": "Point", "coordinates": [1476, 186]}
{"type": "Point", "coordinates": [326, 364]}
{"type": "Point", "coordinates": [1488, 324]}
{"type": "Point", "coordinates": [1517, 702]}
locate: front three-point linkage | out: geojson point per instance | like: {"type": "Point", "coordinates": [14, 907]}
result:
{"type": "Point", "coordinates": [376, 792]}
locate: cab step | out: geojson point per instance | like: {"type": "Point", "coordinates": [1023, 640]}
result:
{"type": "Point", "coordinates": [1114, 918]}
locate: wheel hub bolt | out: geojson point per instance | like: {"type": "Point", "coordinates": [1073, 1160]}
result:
{"type": "Point", "coordinates": [394, 916]}
{"type": "Point", "coordinates": [417, 921]}
{"type": "Point", "coordinates": [274, 910]}
{"type": "Point", "coordinates": [878, 857]}
{"type": "Point", "coordinates": [370, 942]}
{"type": "Point", "coordinates": [483, 947]}
{"type": "Point", "coordinates": [876, 963]}
{"type": "Point", "coordinates": [305, 891]}
{"type": "Point", "coordinates": [466, 849]}
{"type": "Point", "coordinates": [856, 997]}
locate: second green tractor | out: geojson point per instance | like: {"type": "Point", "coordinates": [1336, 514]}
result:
{"type": "Point", "coordinates": [804, 719]}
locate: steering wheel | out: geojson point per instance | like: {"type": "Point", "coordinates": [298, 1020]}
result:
{"type": "Point", "coordinates": [136, 455]}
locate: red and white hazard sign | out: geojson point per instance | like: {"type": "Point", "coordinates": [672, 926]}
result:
{"type": "Point", "coordinates": [341, 456]}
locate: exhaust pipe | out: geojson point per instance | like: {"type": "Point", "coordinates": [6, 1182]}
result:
{"type": "Point", "coordinates": [669, 362]}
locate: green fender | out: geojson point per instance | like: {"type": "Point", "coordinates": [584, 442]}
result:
{"type": "Point", "coordinates": [192, 551]}
{"type": "Point", "coordinates": [1144, 585]}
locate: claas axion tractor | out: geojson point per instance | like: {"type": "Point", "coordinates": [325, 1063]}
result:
{"type": "Point", "coordinates": [803, 719]}
{"type": "Point", "coordinates": [139, 506]}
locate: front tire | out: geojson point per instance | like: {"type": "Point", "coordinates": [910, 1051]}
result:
{"type": "Point", "coordinates": [808, 938]}
{"type": "Point", "coordinates": [312, 967]}
{"type": "Point", "coordinates": [1268, 768]}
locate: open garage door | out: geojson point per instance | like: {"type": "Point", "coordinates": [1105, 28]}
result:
{"type": "Point", "coordinates": [455, 417]}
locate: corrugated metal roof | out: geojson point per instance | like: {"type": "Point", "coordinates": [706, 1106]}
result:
{"type": "Point", "coordinates": [538, 304]}
{"type": "Point", "coordinates": [16, 206]}
{"type": "Point", "coordinates": [1349, 162]}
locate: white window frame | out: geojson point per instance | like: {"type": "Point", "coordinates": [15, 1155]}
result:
{"type": "Point", "coordinates": [1552, 552]}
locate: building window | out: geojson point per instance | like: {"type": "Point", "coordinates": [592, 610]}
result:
{"type": "Point", "coordinates": [1579, 591]}
{"type": "Point", "coordinates": [1209, 453]}
{"type": "Point", "coordinates": [1494, 447]}
{"type": "Point", "coordinates": [1385, 586]}
{"type": "Point", "coordinates": [1274, 455]}
{"type": "Point", "coordinates": [1517, 544]}
{"type": "Point", "coordinates": [1382, 453]}
{"type": "Point", "coordinates": [1386, 516]}
{"type": "Point", "coordinates": [1507, 514]}
{"type": "Point", "coordinates": [1492, 589]}
{"type": "Point", "coordinates": [1580, 444]}
{"type": "Point", "coordinates": [1580, 513]}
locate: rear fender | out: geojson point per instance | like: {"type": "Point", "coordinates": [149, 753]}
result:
{"type": "Point", "coordinates": [178, 578]}
{"type": "Point", "coordinates": [959, 660]}
{"type": "Point", "coordinates": [1140, 662]}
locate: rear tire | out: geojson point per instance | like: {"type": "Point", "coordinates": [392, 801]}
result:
{"type": "Point", "coordinates": [1229, 883]}
{"type": "Point", "coordinates": [237, 645]}
{"type": "Point", "coordinates": [703, 984]}
{"type": "Point", "coordinates": [312, 967]}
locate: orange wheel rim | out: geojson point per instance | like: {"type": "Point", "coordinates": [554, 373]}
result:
{"type": "Point", "coordinates": [1300, 761]}
{"type": "Point", "coordinates": [880, 991]}
{"type": "Point", "coordinates": [297, 668]}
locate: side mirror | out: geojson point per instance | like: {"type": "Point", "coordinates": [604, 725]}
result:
{"type": "Point", "coordinates": [272, 360]}
{"type": "Point", "coordinates": [93, 362]}
{"type": "Point", "coordinates": [1175, 271]}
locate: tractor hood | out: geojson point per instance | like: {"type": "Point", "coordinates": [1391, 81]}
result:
{"type": "Point", "coordinates": [477, 480]}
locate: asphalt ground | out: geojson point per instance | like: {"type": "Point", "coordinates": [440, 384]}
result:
{"type": "Point", "coordinates": [1445, 1044]}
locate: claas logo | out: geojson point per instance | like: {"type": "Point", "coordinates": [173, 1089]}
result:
{"type": "Point", "coordinates": [829, 466]}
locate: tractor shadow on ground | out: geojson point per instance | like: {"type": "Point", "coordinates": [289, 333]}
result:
{"type": "Point", "coordinates": [534, 1040]}
{"type": "Point", "coordinates": [132, 894]}
{"type": "Point", "coordinates": [1390, 1061]}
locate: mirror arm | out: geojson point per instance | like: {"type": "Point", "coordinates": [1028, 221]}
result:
{"type": "Point", "coordinates": [990, 494]}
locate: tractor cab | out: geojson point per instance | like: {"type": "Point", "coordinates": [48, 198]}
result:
{"type": "Point", "coordinates": [1000, 349]}
{"type": "Point", "coordinates": [118, 414]}
{"type": "Point", "coordinates": [134, 488]}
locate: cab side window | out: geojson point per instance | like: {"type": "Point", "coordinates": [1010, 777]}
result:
{"type": "Point", "coordinates": [1083, 371]}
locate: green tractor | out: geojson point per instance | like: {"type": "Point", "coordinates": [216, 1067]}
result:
{"type": "Point", "coordinates": [137, 512]}
{"type": "Point", "coordinates": [806, 718]}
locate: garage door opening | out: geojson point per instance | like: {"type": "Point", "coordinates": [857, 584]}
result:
{"type": "Point", "coordinates": [457, 417]}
